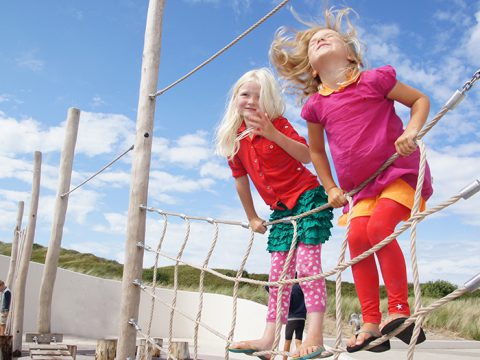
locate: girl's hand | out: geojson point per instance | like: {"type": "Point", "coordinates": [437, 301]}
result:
{"type": "Point", "coordinates": [405, 144]}
{"type": "Point", "coordinates": [257, 226]}
{"type": "Point", "coordinates": [261, 125]}
{"type": "Point", "coordinates": [336, 197]}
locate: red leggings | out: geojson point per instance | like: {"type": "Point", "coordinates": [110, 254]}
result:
{"type": "Point", "coordinates": [365, 232]}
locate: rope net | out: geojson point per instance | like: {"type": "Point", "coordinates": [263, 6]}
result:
{"type": "Point", "coordinates": [419, 311]}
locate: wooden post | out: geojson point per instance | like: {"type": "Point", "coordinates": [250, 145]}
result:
{"type": "Point", "coordinates": [133, 263]}
{"type": "Point", "coordinates": [5, 347]}
{"type": "Point", "coordinates": [179, 350]}
{"type": "Point", "coordinates": [61, 204]}
{"type": "Point", "coordinates": [72, 349]}
{"type": "Point", "coordinates": [14, 251]}
{"type": "Point", "coordinates": [106, 349]}
{"type": "Point", "coordinates": [21, 280]}
{"type": "Point", "coordinates": [156, 352]}
{"type": "Point", "coordinates": [142, 351]}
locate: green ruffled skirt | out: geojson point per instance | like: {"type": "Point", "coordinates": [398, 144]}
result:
{"type": "Point", "coordinates": [312, 230]}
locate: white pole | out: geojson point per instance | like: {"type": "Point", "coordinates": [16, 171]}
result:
{"type": "Point", "coordinates": [14, 251]}
{"type": "Point", "coordinates": [21, 280]}
{"type": "Point", "coordinates": [139, 180]}
{"type": "Point", "coordinates": [61, 204]}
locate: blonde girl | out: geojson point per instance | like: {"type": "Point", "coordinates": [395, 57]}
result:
{"type": "Point", "coordinates": [355, 109]}
{"type": "Point", "coordinates": [263, 147]}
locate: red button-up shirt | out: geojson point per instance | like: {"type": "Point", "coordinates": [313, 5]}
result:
{"type": "Point", "coordinates": [278, 177]}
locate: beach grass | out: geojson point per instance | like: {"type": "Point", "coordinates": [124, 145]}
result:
{"type": "Point", "coordinates": [460, 316]}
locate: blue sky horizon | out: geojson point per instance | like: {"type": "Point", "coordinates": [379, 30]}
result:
{"type": "Point", "coordinates": [88, 55]}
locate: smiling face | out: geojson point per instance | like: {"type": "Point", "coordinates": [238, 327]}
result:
{"type": "Point", "coordinates": [327, 44]}
{"type": "Point", "coordinates": [248, 99]}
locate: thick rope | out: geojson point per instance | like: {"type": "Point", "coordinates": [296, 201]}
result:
{"type": "Point", "coordinates": [155, 270]}
{"type": "Point", "coordinates": [178, 311]}
{"type": "Point", "coordinates": [416, 217]}
{"type": "Point", "coordinates": [235, 292]}
{"type": "Point", "coordinates": [221, 51]}
{"type": "Point", "coordinates": [175, 283]}
{"type": "Point", "coordinates": [338, 282]}
{"type": "Point", "coordinates": [413, 247]}
{"type": "Point", "coordinates": [201, 291]}
{"type": "Point", "coordinates": [283, 275]}
{"type": "Point", "coordinates": [339, 267]}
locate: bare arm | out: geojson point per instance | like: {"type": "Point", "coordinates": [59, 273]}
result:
{"type": "Point", "coordinates": [263, 126]}
{"type": "Point", "coordinates": [419, 105]}
{"type": "Point", "coordinates": [243, 189]}
{"type": "Point", "coordinates": [322, 165]}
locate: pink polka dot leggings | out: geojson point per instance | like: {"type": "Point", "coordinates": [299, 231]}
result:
{"type": "Point", "coordinates": [307, 262]}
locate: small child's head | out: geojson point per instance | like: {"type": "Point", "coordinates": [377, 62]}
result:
{"type": "Point", "coordinates": [292, 54]}
{"type": "Point", "coordinates": [256, 90]}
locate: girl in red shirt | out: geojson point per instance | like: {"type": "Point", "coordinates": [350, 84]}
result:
{"type": "Point", "coordinates": [261, 144]}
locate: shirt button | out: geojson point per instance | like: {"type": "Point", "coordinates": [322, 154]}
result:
{"type": "Point", "coordinates": [260, 174]}
{"type": "Point", "coordinates": [268, 187]}
{"type": "Point", "coordinates": [298, 169]}
{"type": "Point", "coordinates": [271, 146]}
{"type": "Point", "coordinates": [286, 126]}
{"type": "Point", "coordinates": [255, 160]}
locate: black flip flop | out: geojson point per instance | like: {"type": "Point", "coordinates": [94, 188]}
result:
{"type": "Point", "coordinates": [405, 335]}
{"type": "Point", "coordinates": [385, 346]}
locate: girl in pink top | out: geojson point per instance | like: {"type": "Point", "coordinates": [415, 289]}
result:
{"type": "Point", "coordinates": [355, 109]}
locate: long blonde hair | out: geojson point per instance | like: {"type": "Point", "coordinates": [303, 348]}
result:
{"type": "Point", "coordinates": [289, 52]}
{"type": "Point", "coordinates": [271, 102]}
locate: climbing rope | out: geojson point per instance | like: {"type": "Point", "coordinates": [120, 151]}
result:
{"type": "Point", "coordinates": [416, 216]}
{"type": "Point", "coordinates": [99, 171]}
{"type": "Point", "coordinates": [222, 50]}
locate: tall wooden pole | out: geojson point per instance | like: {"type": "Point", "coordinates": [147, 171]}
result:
{"type": "Point", "coordinates": [21, 281]}
{"type": "Point", "coordinates": [139, 180]}
{"type": "Point", "coordinates": [61, 204]}
{"type": "Point", "coordinates": [14, 251]}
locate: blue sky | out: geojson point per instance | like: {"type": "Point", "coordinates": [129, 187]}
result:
{"type": "Point", "coordinates": [87, 54]}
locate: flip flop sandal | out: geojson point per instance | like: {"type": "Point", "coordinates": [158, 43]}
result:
{"type": "Point", "coordinates": [405, 335]}
{"type": "Point", "coordinates": [315, 354]}
{"type": "Point", "coordinates": [379, 348]}
{"type": "Point", "coordinates": [247, 352]}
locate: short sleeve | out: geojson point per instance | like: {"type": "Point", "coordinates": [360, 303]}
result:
{"type": "Point", "coordinates": [237, 167]}
{"type": "Point", "coordinates": [284, 126]}
{"type": "Point", "coordinates": [307, 112]}
{"type": "Point", "coordinates": [313, 110]}
{"type": "Point", "coordinates": [386, 78]}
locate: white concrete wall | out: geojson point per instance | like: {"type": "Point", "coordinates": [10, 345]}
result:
{"type": "Point", "coordinates": [89, 307]}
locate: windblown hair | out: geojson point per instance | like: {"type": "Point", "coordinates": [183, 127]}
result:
{"type": "Point", "coordinates": [271, 103]}
{"type": "Point", "coordinates": [289, 52]}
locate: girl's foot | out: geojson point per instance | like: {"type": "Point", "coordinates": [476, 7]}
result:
{"type": "Point", "coordinates": [390, 318]}
{"type": "Point", "coordinates": [366, 332]}
{"type": "Point", "coordinates": [394, 321]}
{"type": "Point", "coordinates": [256, 345]}
{"type": "Point", "coordinates": [308, 350]}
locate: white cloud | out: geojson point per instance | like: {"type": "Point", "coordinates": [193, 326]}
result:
{"type": "Point", "coordinates": [30, 61]}
{"type": "Point", "coordinates": [473, 42]}
{"type": "Point", "coordinates": [97, 101]}
{"type": "Point", "coordinates": [452, 172]}
{"type": "Point", "coordinates": [215, 170]}
{"type": "Point", "coordinates": [92, 247]}
{"type": "Point", "coordinates": [116, 224]}
{"type": "Point", "coordinates": [101, 133]}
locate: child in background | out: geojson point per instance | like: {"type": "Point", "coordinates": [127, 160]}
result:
{"type": "Point", "coordinates": [297, 313]}
{"type": "Point", "coordinates": [355, 109]}
{"type": "Point", "coordinates": [261, 144]}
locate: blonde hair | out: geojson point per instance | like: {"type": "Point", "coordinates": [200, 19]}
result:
{"type": "Point", "coordinates": [270, 102]}
{"type": "Point", "coordinates": [289, 52]}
